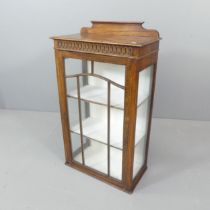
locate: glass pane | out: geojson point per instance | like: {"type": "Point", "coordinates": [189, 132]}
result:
{"type": "Point", "coordinates": [116, 163]}
{"type": "Point", "coordinates": [101, 127]}
{"type": "Point", "coordinates": [144, 96]}
{"type": "Point", "coordinates": [76, 147]}
{"type": "Point", "coordinates": [113, 72]}
{"type": "Point", "coordinates": [73, 66]}
{"type": "Point", "coordinates": [96, 156]}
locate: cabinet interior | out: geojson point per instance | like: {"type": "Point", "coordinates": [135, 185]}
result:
{"type": "Point", "coordinates": [96, 118]}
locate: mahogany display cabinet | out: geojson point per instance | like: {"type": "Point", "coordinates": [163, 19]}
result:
{"type": "Point", "coordinates": [106, 82]}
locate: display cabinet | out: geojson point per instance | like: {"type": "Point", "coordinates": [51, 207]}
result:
{"type": "Point", "coordinates": [106, 81]}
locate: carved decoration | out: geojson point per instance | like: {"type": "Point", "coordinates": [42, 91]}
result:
{"type": "Point", "coordinates": [87, 47]}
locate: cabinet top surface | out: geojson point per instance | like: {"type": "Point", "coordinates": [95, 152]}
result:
{"type": "Point", "coordinates": [116, 33]}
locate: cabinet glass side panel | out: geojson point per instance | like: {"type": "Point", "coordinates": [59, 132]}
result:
{"type": "Point", "coordinates": [143, 108]}
{"type": "Point", "coordinates": [96, 112]}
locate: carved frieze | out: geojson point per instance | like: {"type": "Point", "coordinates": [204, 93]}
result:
{"type": "Point", "coordinates": [96, 48]}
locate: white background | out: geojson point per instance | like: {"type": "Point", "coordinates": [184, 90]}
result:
{"type": "Point", "coordinates": [27, 70]}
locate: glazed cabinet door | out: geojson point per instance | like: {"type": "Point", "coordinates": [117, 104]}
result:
{"type": "Point", "coordinates": [95, 98]}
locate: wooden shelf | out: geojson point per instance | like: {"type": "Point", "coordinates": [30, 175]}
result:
{"type": "Point", "coordinates": [98, 95]}
{"type": "Point", "coordinates": [95, 129]}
